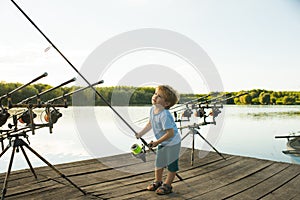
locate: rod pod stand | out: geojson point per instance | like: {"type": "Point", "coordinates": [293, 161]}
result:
{"type": "Point", "coordinates": [17, 143]}
{"type": "Point", "coordinates": [193, 130]}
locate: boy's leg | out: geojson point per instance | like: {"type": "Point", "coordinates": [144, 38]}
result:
{"type": "Point", "coordinates": [166, 188]}
{"type": "Point", "coordinates": [158, 171]}
{"type": "Point", "coordinates": [157, 181]}
{"type": "Point", "coordinates": [159, 174]}
{"type": "Point", "coordinates": [173, 155]}
{"type": "Point", "coordinates": [160, 163]}
{"type": "Point", "coordinates": [170, 178]}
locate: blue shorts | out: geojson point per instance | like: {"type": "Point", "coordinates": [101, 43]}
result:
{"type": "Point", "coordinates": [167, 156]}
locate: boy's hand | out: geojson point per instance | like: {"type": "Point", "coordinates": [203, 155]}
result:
{"type": "Point", "coordinates": [153, 144]}
{"type": "Point", "coordinates": [137, 136]}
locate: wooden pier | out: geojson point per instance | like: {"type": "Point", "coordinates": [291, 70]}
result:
{"type": "Point", "coordinates": [211, 177]}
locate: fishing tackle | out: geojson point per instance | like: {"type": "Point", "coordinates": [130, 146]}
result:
{"type": "Point", "coordinates": [138, 151]}
{"type": "Point", "coordinates": [52, 115]}
{"type": "Point", "coordinates": [25, 118]}
{"type": "Point", "coordinates": [4, 115]}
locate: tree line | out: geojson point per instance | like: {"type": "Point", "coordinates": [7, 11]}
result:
{"type": "Point", "coordinates": [140, 96]}
{"type": "Point", "coordinates": [267, 97]}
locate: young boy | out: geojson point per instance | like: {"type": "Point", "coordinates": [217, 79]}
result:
{"type": "Point", "coordinates": [168, 139]}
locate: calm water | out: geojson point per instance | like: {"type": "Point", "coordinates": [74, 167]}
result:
{"type": "Point", "coordinates": [96, 132]}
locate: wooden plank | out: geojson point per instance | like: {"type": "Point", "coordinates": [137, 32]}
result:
{"type": "Point", "coordinates": [131, 179]}
{"type": "Point", "coordinates": [50, 193]}
{"type": "Point", "coordinates": [31, 189]}
{"type": "Point", "coordinates": [125, 177]}
{"type": "Point", "coordinates": [112, 174]}
{"type": "Point", "coordinates": [271, 184]}
{"type": "Point", "coordinates": [289, 190]}
{"type": "Point", "coordinates": [233, 188]}
{"type": "Point", "coordinates": [180, 188]}
{"type": "Point", "coordinates": [212, 181]}
{"type": "Point", "coordinates": [207, 180]}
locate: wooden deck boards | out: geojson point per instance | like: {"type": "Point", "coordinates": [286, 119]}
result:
{"type": "Point", "coordinates": [210, 177]}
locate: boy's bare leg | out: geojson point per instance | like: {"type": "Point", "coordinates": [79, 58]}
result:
{"type": "Point", "coordinates": [170, 178]}
{"type": "Point", "coordinates": [159, 174]}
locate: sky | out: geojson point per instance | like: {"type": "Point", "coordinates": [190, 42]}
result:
{"type": "Point", "coordinates": [252, 43]}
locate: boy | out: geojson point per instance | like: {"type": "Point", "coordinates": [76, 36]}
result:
{"type": "Point", "coordinates": [168, 139]}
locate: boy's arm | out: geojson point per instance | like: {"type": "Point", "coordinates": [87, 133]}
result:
{"type": "Point", "coordinates": [169, 133]}
{"type": "Point", "coordinates": [144, 130]}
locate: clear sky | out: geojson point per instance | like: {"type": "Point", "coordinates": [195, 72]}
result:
{"type": "Point", "coordinates": [252, 43]}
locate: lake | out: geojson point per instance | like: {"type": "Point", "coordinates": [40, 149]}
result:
{"type": "Point", "coordinates": [91, 132]}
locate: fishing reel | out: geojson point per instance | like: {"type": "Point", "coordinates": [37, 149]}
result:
{"type": "Point", "coordinates": [187, 113]}
{"type": "Point", "coordinates": [4, 115]}
{"type": "Point", "coordinates": [25, 117]}
{"type": "Point", "coordinates": [215, 112]}
{"type": "Point", "coordinates": [138, 151]}
{"type": "Point", "coordinates": [200, 112]}
{"type": "Point", "coordinates": [54, 115]}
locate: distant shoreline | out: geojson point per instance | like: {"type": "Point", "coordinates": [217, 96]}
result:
{"type": "Point", "coordinates": [141, 96]}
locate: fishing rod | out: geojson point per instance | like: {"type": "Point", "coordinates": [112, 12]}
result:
{"type": "Point", "coordinates": [74, 92]}
{"type": "Point", "coordinates": [76, 70]}
{"type": "Point", "coordinates": [214, 104]}
{"type": "Point", "coordinates": [44, 92]}
{"type": "Point", "coordinates": [288, 136]}
{"type": "Point", "coordinates": [23, 86]}
{"type": "Point", "coordinates": [8, 95]}
{"type": "Point", "coordinates": [220, 99]}
{"type": "Point", "coordinates": [193, 106]}
{"type": "Point", "coordinates": [28, 116]}
{"type": "Point", "coordinates": [228, 98]}
{"type": "Point", "coordinates": [214, 100]}
{"type": "Point", "coordinates": [189, 102]}
{"type": "Point", "coordinates": [4, 115]}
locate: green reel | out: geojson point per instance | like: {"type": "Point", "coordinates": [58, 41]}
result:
{"type": "Point", "coordinates": [138, 151]}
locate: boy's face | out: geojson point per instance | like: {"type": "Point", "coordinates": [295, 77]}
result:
{"type": "Point", "coordinates": [158, 98]}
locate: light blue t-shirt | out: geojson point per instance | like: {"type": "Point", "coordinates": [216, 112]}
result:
{"type": "Point", "coordinates": [160, 123]}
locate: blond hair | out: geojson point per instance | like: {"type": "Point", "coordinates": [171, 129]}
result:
{"type": "Point", "coordinates": [170, 95]}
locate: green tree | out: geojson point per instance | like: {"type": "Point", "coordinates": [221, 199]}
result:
{"type": "Point", "coordinates": [26, 92]}
{"type": "Point", "coordinates": [289, 100]}
{"type": "Point", "coordinates": [255, 101]}
{"type": "Point", "coordinates": [237, 101]}
{"type": "Point", "coordinates": [246, 99]}
{"type": "Point", "coordinates": [254, 93]}
{"type": "Point", "coordinates": [264, 98]}
{"type": "Point", "coordinates": [42, 87]}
